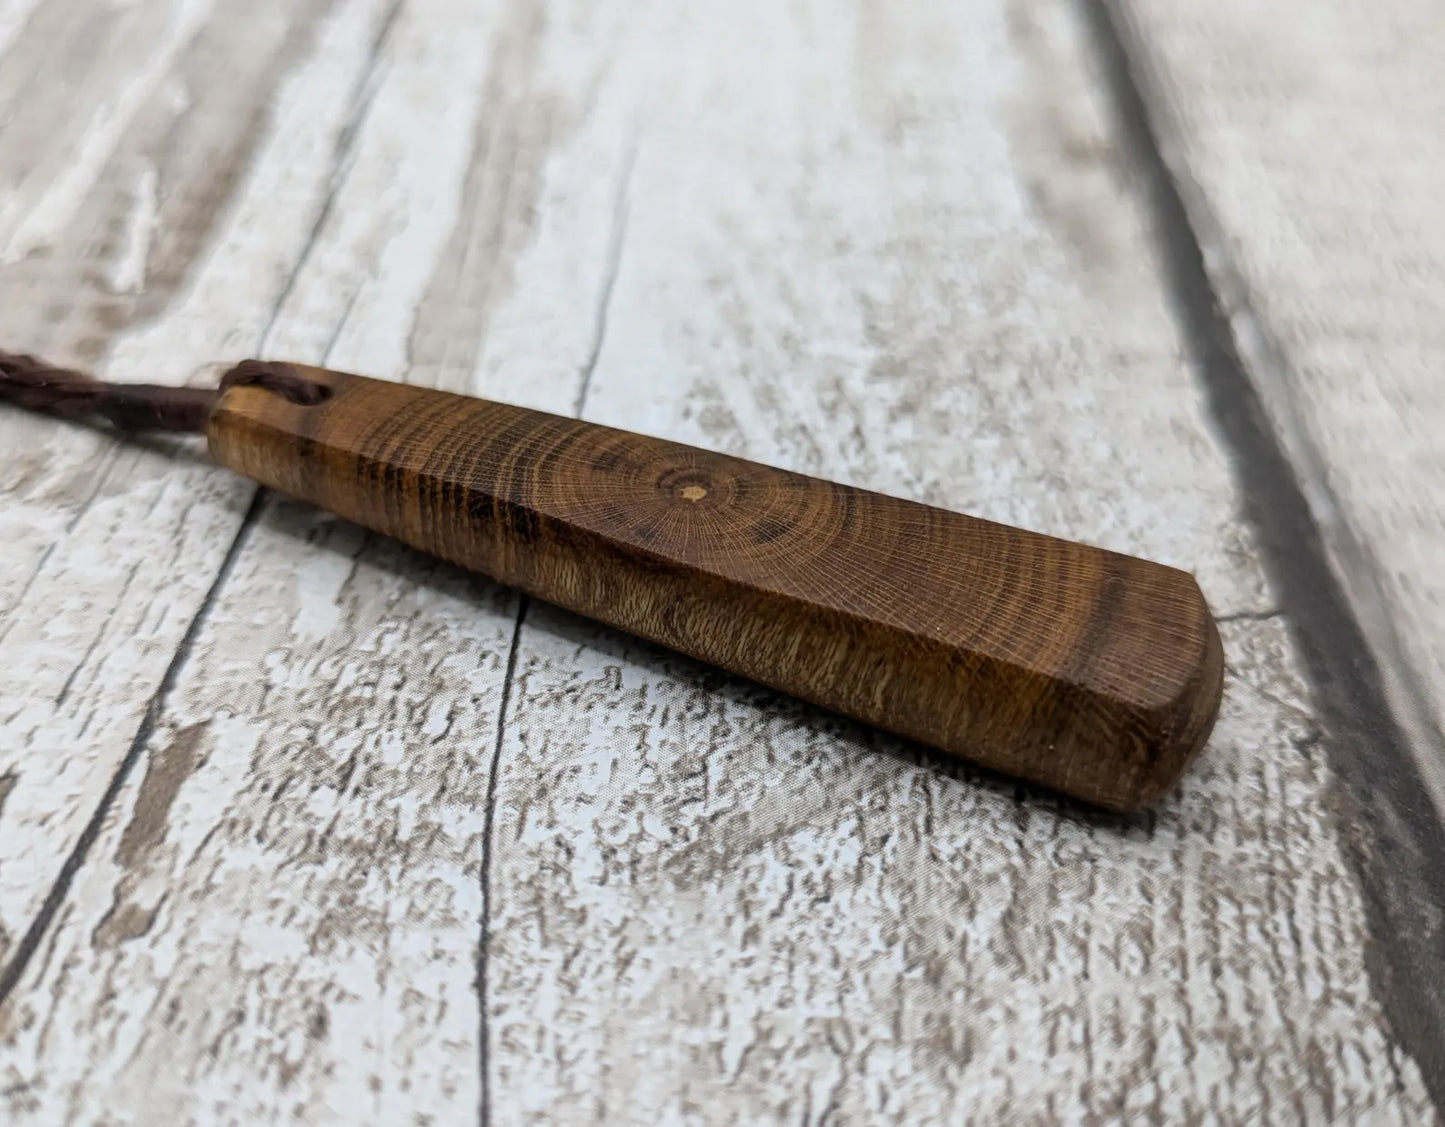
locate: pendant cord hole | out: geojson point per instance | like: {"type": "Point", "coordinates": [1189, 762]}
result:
{"type": "Point", "coordinates": [29, 382]}
{"type": "Point", "coordinates": [282, 379]}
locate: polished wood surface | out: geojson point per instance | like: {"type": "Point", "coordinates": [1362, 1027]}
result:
{"type": "Point", "coordinates": [1092, 672]}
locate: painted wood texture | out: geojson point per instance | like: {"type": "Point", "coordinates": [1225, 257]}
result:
{"type": "Point", "coordinates": [97, 260]}
{"type": "Point", "coordinates": [1092, 672]}
{"type": "Point", "coordinates": [1311, 148]}
{"type": "Point", "coordinates": [1305, 165]}
{"type": "Point", "coordinates": [396, 847]}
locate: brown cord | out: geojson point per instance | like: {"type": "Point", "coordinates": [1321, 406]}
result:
{"type": "Point", "coordinates": [39, 386]}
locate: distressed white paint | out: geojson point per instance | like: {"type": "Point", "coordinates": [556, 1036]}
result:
{"type": "Point", "coordinates": [266, 231]}
{"type": "Point", "coordinates": [13, 14]}
{"type": "Point", "coordinates": [1314, 142]}
{"type": "Point", "coordinates": [716, 906]}
{"type": "Point", "coordinates": [885, 243]}
{"type": "Point", "coordinates": [109, 548]}
{"type": "Point", "coordinates": [395, 211]}
{"type": "Point", "coordinates": [128, 271]}
{"type": "Point", "coordinates": [23, 230]}
{"type": "Point", "coordinates": [322, 639]}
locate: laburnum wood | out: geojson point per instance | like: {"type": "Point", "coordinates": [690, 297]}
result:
{"type": "Point", "coordinates": [1091, 672]}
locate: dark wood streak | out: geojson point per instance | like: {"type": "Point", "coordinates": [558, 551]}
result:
{"type": "Point", "coordinates": [1071, 666]}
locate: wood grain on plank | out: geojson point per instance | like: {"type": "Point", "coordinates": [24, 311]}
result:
{"type": "Point", "coordinates": [709, 904]}
{"type": "Point", "coordinates": [202, 198]}
{"type": "Point", "coordinates": [1311, 151]}
{"type": "Point", "coordinates": [316, 783]}
{"type": "Point", "coordinates": [1315, 209]}
{"type": "Point", "coordinates": [896, 246]}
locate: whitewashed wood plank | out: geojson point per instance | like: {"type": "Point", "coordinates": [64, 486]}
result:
{"type": "Point", "coordinates": [1291, 169]}
{"type": "Point", "coordinates": [81, 78]}
{"type": "Point", "coordinates": [1309, 142]}
{"type": "Point", "coordinates": [898, 249]}
{"type": "Point", "coordinates": [109, 548]}
{"type": "Point", "coordinates": [289, 883]}
{"type": "Point", "coordinates": [13, 16]}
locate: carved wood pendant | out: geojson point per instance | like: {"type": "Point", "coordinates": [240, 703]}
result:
{"type": "Point", "coordinates": [1085, 670]}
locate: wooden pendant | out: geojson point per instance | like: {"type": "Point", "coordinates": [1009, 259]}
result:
{"type": "Point", "coordinates": [1088, 671]}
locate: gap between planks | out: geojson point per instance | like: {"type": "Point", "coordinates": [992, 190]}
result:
{"type": "Point", "coordinates": [30, 941]}
{"type": "Point", "coordinates": [612, 267]}
{"type": "Point", "coordinates": [1402, 869]}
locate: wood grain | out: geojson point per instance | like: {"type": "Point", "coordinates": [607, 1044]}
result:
{"type": "Point", "coordinates": [1309, 151]}
{"type": "Point", "coordinates": [221, 229]}
{"type": "Point", "coordinates": [319, 636]}
{"type": "Point", "coordinates": [891, 245]}
{"type": "Point", "coordinates": [895, 245]}
{"type": "Point", "coordinates": [1081, 669]}
{"type": "Point", "coordinates": [1304, 161]}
